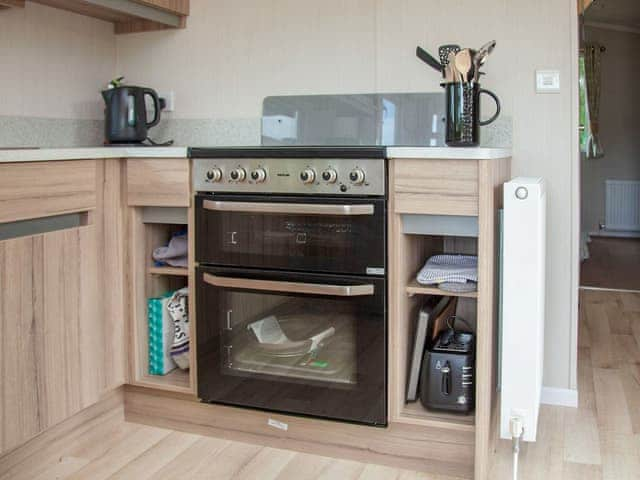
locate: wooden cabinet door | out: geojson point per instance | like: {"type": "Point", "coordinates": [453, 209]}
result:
{"type": "Point", "coordinates": [52, 335]}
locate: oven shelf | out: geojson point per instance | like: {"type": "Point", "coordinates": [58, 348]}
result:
{"type": "Point", "coordinates": [415, 414]}
{"type": "Point", "coordinates": [414, 288]}
{"type": "Point", "coordinates": [174, 271]}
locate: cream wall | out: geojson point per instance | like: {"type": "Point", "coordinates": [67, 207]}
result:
{"type": "Point", "coordinates": [235, 53]}
{"type": "Point", "coordinates": [618, 122]}
{"type": "Point", "coordinates": [53, 63]}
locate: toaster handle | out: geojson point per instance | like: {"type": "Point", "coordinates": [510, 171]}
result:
{"type": "Point", "coordinates": [445, 386]}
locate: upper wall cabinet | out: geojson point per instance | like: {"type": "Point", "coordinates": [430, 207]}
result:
{"type": "Point", "coordinates": [128, 16]}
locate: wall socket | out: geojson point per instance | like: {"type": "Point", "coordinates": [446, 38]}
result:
{"type": "Point", "coordinates": [170, 99]}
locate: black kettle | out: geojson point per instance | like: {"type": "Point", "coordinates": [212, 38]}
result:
{"type": "Point", "coordinates": [126, 114]}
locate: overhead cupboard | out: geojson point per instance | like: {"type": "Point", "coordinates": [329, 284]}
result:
{"type": "Point", "coordinates": [128, 16]}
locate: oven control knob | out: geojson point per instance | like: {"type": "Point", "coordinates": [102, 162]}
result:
{"type": "Point", "coordinates": [238, 175]}
{"type": "Point", "coordinates": [259, 175]}
{"type": "Point", "coordinates": [308, 175]}
{"type": "Point", "coordinates": [214, 175]}
{"type": "Point", "coordinates": [356, 176]}
{"type": "Point", "coordinates": [330, 175]}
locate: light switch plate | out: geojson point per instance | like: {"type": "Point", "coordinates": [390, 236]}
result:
{"type": "Point", "coordinates": [547, 81]}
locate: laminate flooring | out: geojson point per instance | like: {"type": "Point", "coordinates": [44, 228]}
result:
{"type": "Point", "coordinates": [613, 263]}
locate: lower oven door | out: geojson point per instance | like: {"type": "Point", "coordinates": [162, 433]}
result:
{"type": "Point", "coordinates": [293, 343]}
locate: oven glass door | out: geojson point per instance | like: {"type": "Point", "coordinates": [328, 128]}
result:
{"type": "Point", "coordinates": [343, 235]}
{"type": "Point", "coordinates": [293, 343]}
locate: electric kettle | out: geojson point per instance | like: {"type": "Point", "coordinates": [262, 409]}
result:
{"type": "Point", "coordinates": [126, 113]}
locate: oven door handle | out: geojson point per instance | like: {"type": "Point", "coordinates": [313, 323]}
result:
{"type": "Point", "coordinates": [289, 208]}
{"type": "Point", "coordinates": [290, 287]}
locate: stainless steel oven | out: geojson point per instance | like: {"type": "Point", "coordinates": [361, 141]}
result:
{"type": "Point", "coordinates": [291, 284]}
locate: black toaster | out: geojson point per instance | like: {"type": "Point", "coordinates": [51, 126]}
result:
{"type": "Point", "coordinates": [447, 376]}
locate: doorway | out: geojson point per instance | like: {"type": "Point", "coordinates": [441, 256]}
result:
{"type": "Point", "coordinates": [610, 145]}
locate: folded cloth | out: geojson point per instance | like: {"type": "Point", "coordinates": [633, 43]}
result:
{"type": "Point", "coordinates": [449, 268]}
{"type": "Point", "coordinates": [174, 254]}
{"type": "Point", "coordinates": [455, 287]}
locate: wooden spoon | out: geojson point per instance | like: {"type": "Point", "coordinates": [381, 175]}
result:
{"type": "Point", "coordinates": [464, 64]}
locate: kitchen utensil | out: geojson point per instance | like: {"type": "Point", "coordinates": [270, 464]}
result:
{"type": "Point", "coordinates": [427, 58]}
{"type": "Point", "coordinates": [451, 65]}
{"type": "Point", "coordinates": [126, 114]}
{"type": "Point", "coordinates": [464, 64]}
{"type": "Point", "coordinates": [443, 52]}
{"type": "Point", "coordinates": [463, 113]}
{"type": "Point", "coordinates": [481, 55]}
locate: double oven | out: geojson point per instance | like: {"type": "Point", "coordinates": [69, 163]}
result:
{"type": "Point", "coordinates": [291, 303]}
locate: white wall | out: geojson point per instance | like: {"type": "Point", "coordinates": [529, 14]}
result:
{"type": "Point", "coordinates": [235, 53]}
{"type": "Point", "coordinates": [619, 127]}
{"type": "Point", "coordinates": [53, 63]}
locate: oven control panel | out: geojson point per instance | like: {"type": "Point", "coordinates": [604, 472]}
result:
{"type": "Point", "coordinates": [296, 176]}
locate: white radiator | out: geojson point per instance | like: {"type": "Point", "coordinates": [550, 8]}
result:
{"type": "Point", "coordinates": [523, 303]}
{"type": "Point", "coordinates": [622, 205]}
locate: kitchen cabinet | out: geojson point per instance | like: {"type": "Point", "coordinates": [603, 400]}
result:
{"type": "Point", "coordinates": [128, 16]}
{"type": "Point", "coordinates": [439, 193]}
{"type": "Point", "coordinates": [11, 3]}
{"type": "Point", "coordinates": [61, 312]}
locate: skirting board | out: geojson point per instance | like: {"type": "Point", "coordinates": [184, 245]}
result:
{"type": "Point", "coordinates": [563, 397]}
{"type": "Point", "coordinates": [614, 234]}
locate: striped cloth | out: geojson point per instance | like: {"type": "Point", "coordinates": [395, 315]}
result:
{"type": "Point", "coordinates": [450, 269]}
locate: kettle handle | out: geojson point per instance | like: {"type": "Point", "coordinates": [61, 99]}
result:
{"type": "Point", "coordinates": [156, 104]}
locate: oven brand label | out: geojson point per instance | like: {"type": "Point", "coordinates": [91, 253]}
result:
{"type": "Point", "coordinates": [279, 425]}
{"type": "Point", "coordinates": [375, 271]}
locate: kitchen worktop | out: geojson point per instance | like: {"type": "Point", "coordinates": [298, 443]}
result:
{"type": "Point", "coordinates": [478, 153]}
{"type": "Point", "coordinates": [48, 154]}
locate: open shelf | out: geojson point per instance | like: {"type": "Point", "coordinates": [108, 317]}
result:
{"type": "Point", "coordinates": [411, 251]}
{"type": "Point", "coordinates": [414, 288]}
{"type": "Point", "coordinates": [151, 281]}
{"type": "Point", "coordinates": [415, 413]}
{"type": "Point", "coordinates": [175, 271]}
{"type": "Point", "coordinates": [176, 381]}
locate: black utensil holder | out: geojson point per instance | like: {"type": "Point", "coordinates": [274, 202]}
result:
{"type": "Point", "coordinates": [463, 113]}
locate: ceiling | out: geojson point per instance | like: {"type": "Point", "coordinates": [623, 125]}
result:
{"type": "Point", "coordinates": [625, 13]}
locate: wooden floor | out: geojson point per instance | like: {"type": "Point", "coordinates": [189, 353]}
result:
{"type": "Point", "coordinates": [612, 263]}
{"type": "Point", "coordinates": [598, 441]}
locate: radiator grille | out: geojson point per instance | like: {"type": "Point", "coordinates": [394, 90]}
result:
{"type": "Point", "coordinates": [622, 205]}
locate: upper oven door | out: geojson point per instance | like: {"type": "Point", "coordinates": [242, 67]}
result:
{"type": "Point", "coordinates": [335, 235]}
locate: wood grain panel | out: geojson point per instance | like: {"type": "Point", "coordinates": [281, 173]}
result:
{"type": "Point", "coordinates": [111, 230]}
{"type": "Point", "coordinates": [492, 175]}
{"type": "Point", "coordinates": [439, 187]}
{"type": "Point", "coordinates": [124, 22]}
{"type": "Point", "coordinates": [158, 182]}
{"type": "Point", "coordinates": [426, 449]}
{"type": "Point", "coordinates": [50, 355]}
{"type": "Point", "coordinates": [43, 189]}
{"type": "Point", "coordinates": [11, 3]}
{"type": "Point", "coordinates": [174, 6]}
{"type": "Point", "coordinates": [62, 318]}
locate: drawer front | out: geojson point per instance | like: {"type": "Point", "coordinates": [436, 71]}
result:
{"type": "Point", "coordinates": [44, 189]}
{"type": "Point", "coordinates": [158, 182]}
{"type": "Point", "coordinates": [437, 187]}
